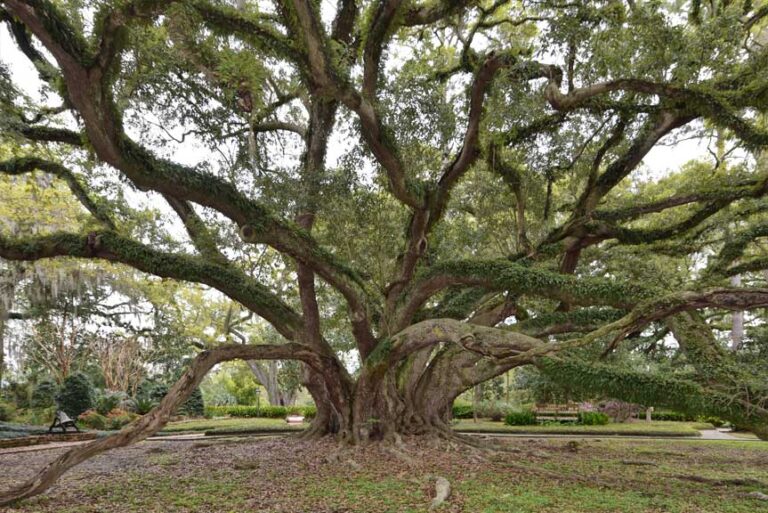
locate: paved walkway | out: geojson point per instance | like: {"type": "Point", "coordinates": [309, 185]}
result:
{"type": "Point", "coordinates": [42, 447]}
{"type": "Point", "coordinates": [716, 434]}
{"type": "Point", "coordinates": [706, 434]}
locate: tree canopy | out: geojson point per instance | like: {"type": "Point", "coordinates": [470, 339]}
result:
{"type": "Point", "coordinates": [416, 196]}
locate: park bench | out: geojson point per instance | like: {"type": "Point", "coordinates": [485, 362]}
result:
{"type": "Point", "coordinates": [62, 420]}
{"type": "Point", "coordinates": [294, 419]}
{"type": "Point", "coordinates": [567, 412]}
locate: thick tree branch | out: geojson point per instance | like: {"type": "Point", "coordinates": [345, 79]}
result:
{"type": "Point", "coordinates": [203, 239]}
{"type": "Point", "coordinates": [112, 247]}
{"type": "Point", "coordinates": [153, 421]}
{"type": "Point", "coordinates": [28, 164]}
{"type": "Point", "coordinates": [503, 275]}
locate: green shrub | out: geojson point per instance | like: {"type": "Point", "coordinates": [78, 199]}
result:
{"type": "Point", "coordinates": [194, 406]}
{"type": "Point", "coordinates": [6, 412]}
{"type": "Point", "coordinates": [108, 402]}
{"type": "Point", "coordinates": [593, 418]}
{"type": "Point", "coordinates": [118, 418]}
{"type": "Point", "coordinates": [491, 410]}
{"type": "Point", "coordinates": [271, 412]}
{"type": "Point", "coordinates": [93, 420]}
{"type": "Point", "coordinates": [44, 395]}
{"type": "Point", "coordinates": [672, 416]}
{"type": "Point", "coordinates": [462, 411]}
{"type": "Point", "coordinates": [520, 418]}
{"type": "Point", "coordinates": [21, 393]}
{"type": "Point", "coordinates": [715, 421]}
{"type": "Point", "coordinates": [76, 395]}
{"type": "Point", "coordinates": [144, 404]}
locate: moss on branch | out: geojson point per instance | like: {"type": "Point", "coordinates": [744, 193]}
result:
{"type": "Point", "coordinates": [679, 393]}
{"type": "Point", "coordinates": [110, 246]}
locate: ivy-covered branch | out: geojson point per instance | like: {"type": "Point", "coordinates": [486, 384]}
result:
{"type": "Point", "coordinates": [650, 389]}
{"type": "Point", "coordinates": [203, 239]}
{"type": "Point", "coordinates": [504, 275]}
{"type": "Point", "coordinates": [23, 165]}
{"type": "Point", "coordinates": [723, 192]}
{"type": "Point", "coordinates": [257, 225]}
{"type": "Point", "coordinates": [733, 249]}
{"type": "Point", "coordinates": [427, 13]}
{"type": "Point", "coordinates": [110, 246]}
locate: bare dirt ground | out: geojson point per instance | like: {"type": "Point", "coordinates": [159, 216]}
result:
{"type": "Point", "coordinates": [291, 476]}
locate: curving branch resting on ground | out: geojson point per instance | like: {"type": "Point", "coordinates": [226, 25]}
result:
{"type": "Point", "coordinates": [153, 421]}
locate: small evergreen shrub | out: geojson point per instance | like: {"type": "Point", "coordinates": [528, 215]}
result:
{"type": "Point", "coordinates": [593, 418]}
{"type": "Point", "coordinates": [76, 395]}
{"type": "Point", "coordinates": [44, 394]}
{"type": "Point", "coordinates": [21, 393]}
{"type": "Point", "coordinates": [520, 418]}
{"type": "Point", "coordinates": [194, 406]}
{"type": "Point", "coordinates": [108, 402]}
{"type": "Point", "coordinates": [462, 411]}
{"type": "Point", "coordinates": [144, 404]}
{"type": "Point", "coordinates": [118, 418]}
{"type": "Point", "coordinates": [6, 412]}
{"type": "Point", "coordinates": [93, 420]}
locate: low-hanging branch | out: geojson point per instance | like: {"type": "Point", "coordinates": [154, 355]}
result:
{"type": "Point", "coordinates": [110, 246]}
{"type": "Point", "coordinates": [154, 421]}
{"type": "Point", "coordinates": [28, 164]}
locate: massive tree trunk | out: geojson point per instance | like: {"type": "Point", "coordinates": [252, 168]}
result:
{"type": "Point", "coordinates": [408, 385]}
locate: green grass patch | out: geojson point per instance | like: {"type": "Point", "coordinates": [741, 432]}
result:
{"type": "Point", "coordinates": [655, 428]}
{"type": "Point", "coordinates": [231, 425]}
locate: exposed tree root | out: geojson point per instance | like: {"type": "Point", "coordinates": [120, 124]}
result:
{"type": "Point", "coordinates": [639, 463]}
{"type": "Point", "coordinates": [720, 482]}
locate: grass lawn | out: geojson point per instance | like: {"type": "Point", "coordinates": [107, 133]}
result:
{"type": "Point", "coordinates": [291, 476]}
{"type": "Point", "coordinates": [231, 424]}
{"type": "Point", "coordinates": [656, 428]}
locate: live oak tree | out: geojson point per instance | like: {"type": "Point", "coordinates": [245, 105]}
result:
{"type": "Point", "coordinates": [482, 212]}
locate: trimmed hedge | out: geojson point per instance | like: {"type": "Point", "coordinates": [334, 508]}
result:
{"type": "Point", "coordinates": [593, 418]}
{"type": "Point", "coordinates": [270, 412]}
{"type": "Point", "coordinates": [520, 418]}
{"type": "Point", "coordinates": [672, 416]}
{"type": "Point", "coordinates": [462, 411]}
